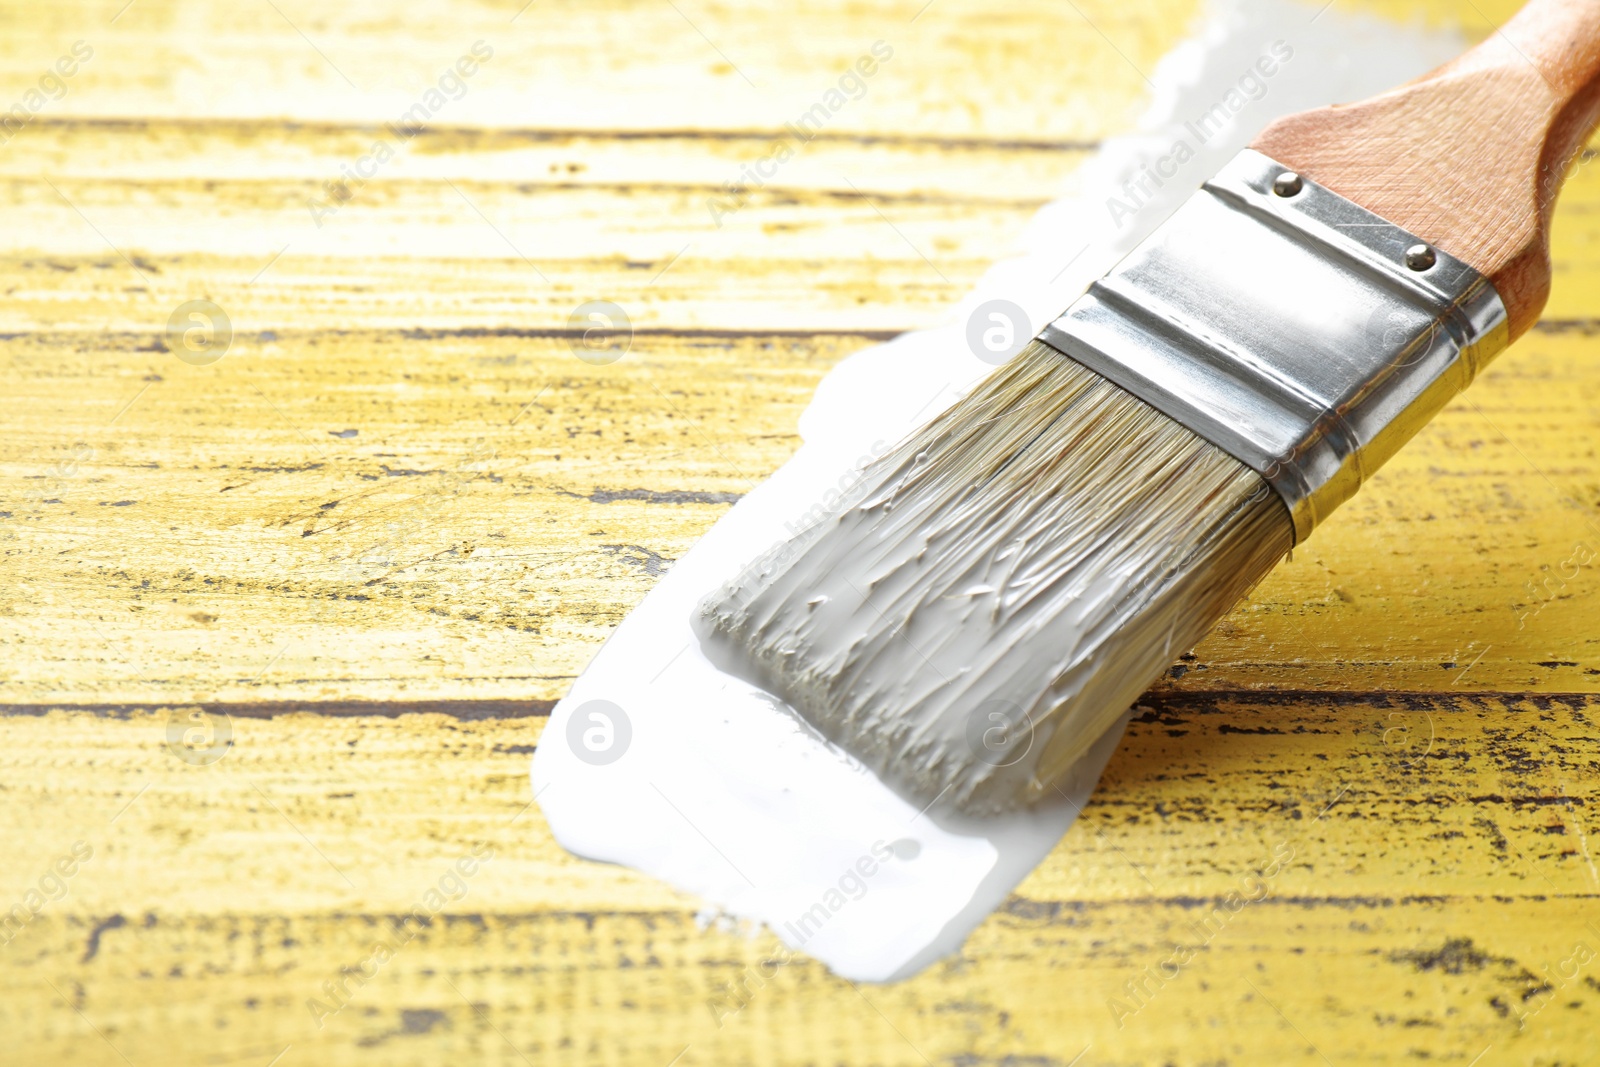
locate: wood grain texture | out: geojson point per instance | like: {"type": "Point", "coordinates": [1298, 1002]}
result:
{"type": "Point", "coordinates": [1437, 863]}
{"type": "Point", "coordinates": [1470, 157]}
{"type": "Point", "coordinates": [379, 538]}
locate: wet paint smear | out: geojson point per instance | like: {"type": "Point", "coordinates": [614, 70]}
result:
{"type": "Point", "coordinates": [658, 760]}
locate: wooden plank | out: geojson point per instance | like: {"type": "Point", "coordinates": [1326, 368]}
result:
{"type": "Point", "coordinates": [470, 229]}
{"type": "Point", "coordinates": [432, 553]}
{"type": "Point", "coordinates": [959, 67]}
{"type": "Point", "coordinates": [1433, 854]}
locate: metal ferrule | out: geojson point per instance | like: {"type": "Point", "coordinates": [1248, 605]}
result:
{"type": "Point", "coordinates": [1292, 328]}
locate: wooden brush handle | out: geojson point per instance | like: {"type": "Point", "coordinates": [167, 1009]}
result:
{"type": "Point", "coordinates": [1471, 156]}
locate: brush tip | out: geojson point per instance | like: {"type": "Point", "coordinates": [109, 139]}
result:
{"type": "Point", "coordinates": [1066, 538]}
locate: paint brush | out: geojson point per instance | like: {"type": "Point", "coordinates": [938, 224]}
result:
{"type": "Point", "coordinates": [1001, 586]}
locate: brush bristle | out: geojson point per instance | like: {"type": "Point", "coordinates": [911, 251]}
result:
{"type": "Point", "coordinates": [1002, 585]}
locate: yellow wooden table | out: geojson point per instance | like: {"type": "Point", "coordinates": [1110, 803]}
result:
{"type": "Point", "coordinates": [368, 548]}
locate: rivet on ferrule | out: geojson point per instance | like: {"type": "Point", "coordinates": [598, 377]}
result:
{"type": "Point", "coordinates": [1420, 257]}
{"type": "Point", "coordinates": [1286, 184]}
